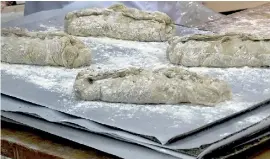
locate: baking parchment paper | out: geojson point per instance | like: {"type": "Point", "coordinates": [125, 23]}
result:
{"type": "Point", "coordinates": [193, 141]}
{"type": "Point", "coordinates": [15, 105]}
{"type": "Point", "coordinates": [102, 143]}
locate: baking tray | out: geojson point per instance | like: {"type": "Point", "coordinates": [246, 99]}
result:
{"type": "Point", "coordinates": [193, 140]}
{"type": "Point", "coordinates": [99, 142]}
{"type": "Point", "coordinates": [263, 110]}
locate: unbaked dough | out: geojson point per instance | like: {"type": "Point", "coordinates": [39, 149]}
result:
{"type": "Point", "coordinates": [140, 86]}
{"type": "Point", "coordinates": [19, 46]}
{"type": "Point", "coordinates": [120, 22]}
{"type": "Point", "coordinates": [227, 50]}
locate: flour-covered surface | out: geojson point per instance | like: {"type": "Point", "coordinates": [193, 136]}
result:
{"type": "Point", "coordinates": [249, 86]}
{"type": "Point", "coordinates": [251, 21]}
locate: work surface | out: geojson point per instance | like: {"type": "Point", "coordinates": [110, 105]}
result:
{"type": "Point", "coordinates": [164, 128]}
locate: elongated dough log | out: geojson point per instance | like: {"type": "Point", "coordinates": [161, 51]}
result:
{"type": "Point", "coordinates": [120, 22]}
{"type": "Point", "coordinates": [229, 50]}
{"type": "Point", "coordinates": [43, 48]}
{"type": "Point", "coordinates": [170, 85]}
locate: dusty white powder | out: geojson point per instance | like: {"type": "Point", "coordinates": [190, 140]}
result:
{"type": "Point", "coordinates": [51, 78]}
{"type": "Point", "coordinates": [50, 28]}
{"type": "Point", "coordinates": [117, 54]}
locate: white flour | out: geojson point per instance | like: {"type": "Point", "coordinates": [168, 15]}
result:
{"type": "Point", "coordinates": [116, 54]}
{"type": "Point", "coordinates": [48, 28]}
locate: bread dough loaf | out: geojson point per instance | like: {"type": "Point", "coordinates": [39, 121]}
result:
{"type": "Point", "coordinates": [120, 22]}
{"type": "Point", "coordinates": [227, 50]}
{"type": "Point", "coordinates": [167, 85]}
{"type": "Point", "coordinates": [19, 46]}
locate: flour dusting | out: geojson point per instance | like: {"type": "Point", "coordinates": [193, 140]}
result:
{"type": "Point", "coordinates": [249, 86]}
{"type": "Point", "coordinates": [50, 28]}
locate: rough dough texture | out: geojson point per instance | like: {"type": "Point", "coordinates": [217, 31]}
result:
{"type": "Point", "coordinates": [19, 46]}
{"type": "Point", "coordinates": [168, 85]}
{"type": "Point", "coordinates": [120, 22]}
{"type": "Point", "coordinates": [227, 50]}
